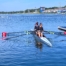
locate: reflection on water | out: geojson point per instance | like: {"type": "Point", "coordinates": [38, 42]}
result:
{"type": "Point", "coordinates": [38, 45]}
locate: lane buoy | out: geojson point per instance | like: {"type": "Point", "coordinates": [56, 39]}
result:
{"type": "Point", "coordinates": [65, 32]}
{"type": "Point", "coordinates": [4, 34]}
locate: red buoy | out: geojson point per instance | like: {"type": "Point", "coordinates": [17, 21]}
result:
{"type": "Point", "coordinates": [65, 32]}
{"type": "Point", "coordinates": [4, 34]}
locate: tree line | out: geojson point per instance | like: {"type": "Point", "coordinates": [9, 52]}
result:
{"type": "Point", "coordinates": [28, 10]}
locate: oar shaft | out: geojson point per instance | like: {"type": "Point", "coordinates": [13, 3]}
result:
{"type": "Point", "coordinates": [15, 36]}
{"type": "Point", "coordinates": [16, 32]}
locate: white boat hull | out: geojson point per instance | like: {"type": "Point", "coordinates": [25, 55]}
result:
{"type": "Point", "coordinates": [42, 40]}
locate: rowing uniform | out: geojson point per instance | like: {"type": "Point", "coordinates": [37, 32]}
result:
{"type": "Point", "coordinates": [36, 28]}
{"type": "Point", "coordinates": [41, 29]}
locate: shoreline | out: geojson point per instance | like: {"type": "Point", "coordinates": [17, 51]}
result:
{"type": "Point", "coordinates": [32, 13]}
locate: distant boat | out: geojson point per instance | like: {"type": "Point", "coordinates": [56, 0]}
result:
{"type": "Point", "coordinates": [63, 28]}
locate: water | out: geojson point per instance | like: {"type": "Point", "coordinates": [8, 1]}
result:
{"type": "Point", "coordinates": [23, 50]}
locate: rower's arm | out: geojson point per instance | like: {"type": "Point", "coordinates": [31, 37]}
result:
{"type": "Point", "coordinates": [34, 28]}
{"type": "Point", "coordinates": [42, 29]}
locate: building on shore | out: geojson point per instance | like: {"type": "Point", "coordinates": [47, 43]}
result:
{"type": "Point", "coordinates": [42, 9]}
{"type": "Point", "coordinates": [62, 10]}
{"type": "Point", "coordinates": [52, 10]}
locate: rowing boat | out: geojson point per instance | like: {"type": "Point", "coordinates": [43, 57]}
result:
{"type": "Point", "coordinates": [62, 28]}
{"type": "Point", "coordinates": [42, 39]}
{"type": "Point", "coordinates": [39, 39]}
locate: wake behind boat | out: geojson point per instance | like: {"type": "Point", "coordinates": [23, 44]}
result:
{"type": "Point", "coordinates": [42, 39]}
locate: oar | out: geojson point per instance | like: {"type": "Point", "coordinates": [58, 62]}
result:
{"type": "Point", "coordinates": [16, 32]}
{"type": "Point", "coordinates": [20, 32]}
{"type": "Point", "coordinates": [14, 37]}
{"type": "Point", "coordinates": [49, 32]}
{"type": "Point", "coordinates": [53, 32]}
{"type": "Point", "coordinates": [26, 33]}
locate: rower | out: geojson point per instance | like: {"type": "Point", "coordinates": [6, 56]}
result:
{"type": "Point", "coordinates": [36, 28]}
{"type": "Point", "coordinates": [41, 30]}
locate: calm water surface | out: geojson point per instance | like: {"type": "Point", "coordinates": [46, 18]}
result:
{"type": "Point", "coordinates": [23, 50]}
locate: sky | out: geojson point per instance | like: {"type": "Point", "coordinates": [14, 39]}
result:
{"type": "Point", "coordinates": [17, 5]}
